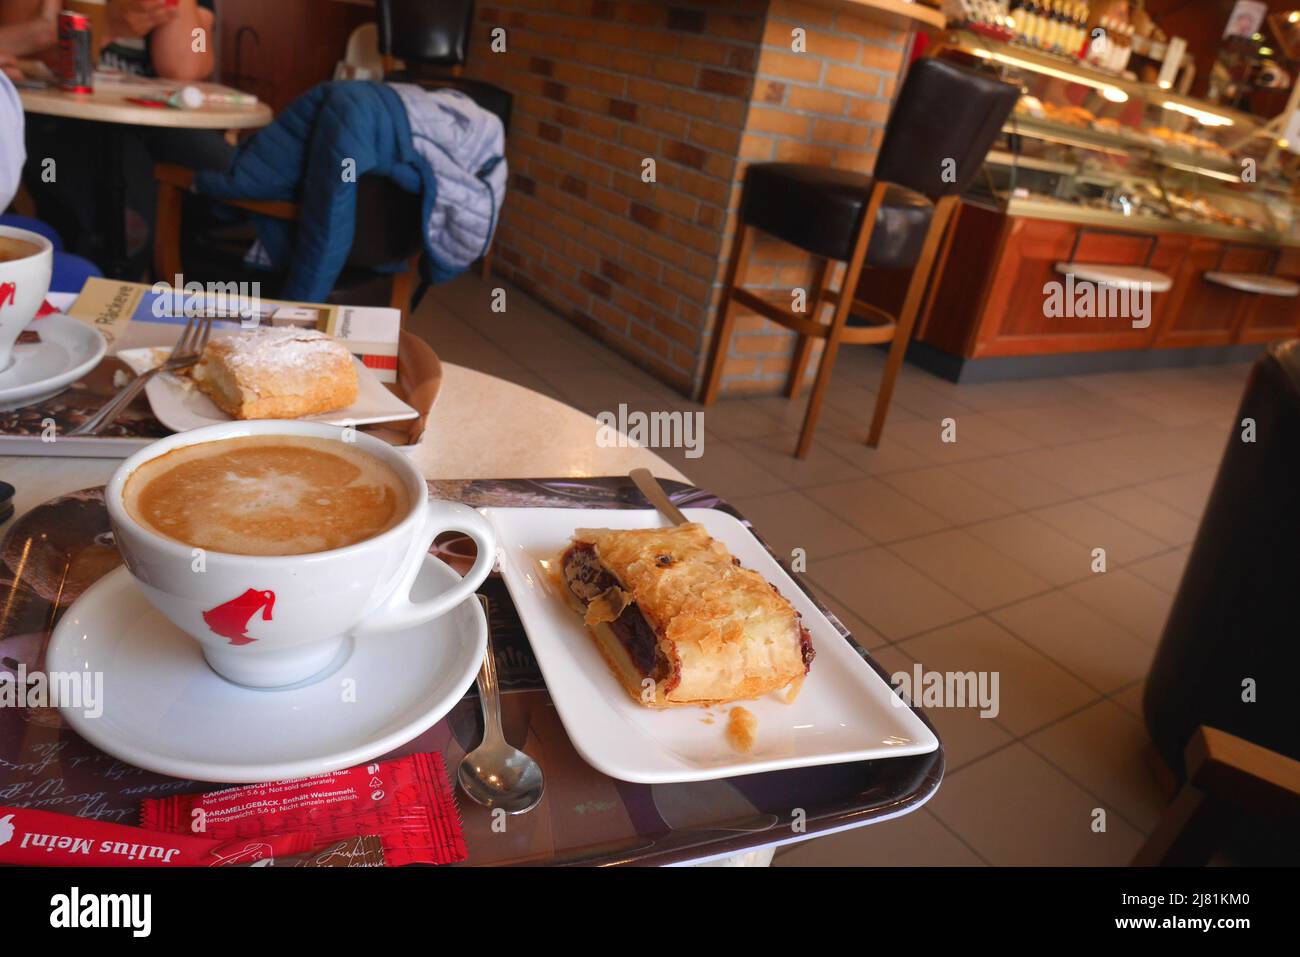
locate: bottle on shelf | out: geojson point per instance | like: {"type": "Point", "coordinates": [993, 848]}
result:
{"type": "Point", "coordinates": [1080, 28]}
{"type": "Point", "coordinates": [1065, 28]}
{"type": "Point", "coordinates": [1025, 23]}
{"type": "Point", "coordinates": [1053, 41]}
{"type": "Point", "coordinates": [1123, 48]}
{"type": "Point", "coordinates": [1042, 24]}
{"type": "Point", "coordinates": [1015, 19]}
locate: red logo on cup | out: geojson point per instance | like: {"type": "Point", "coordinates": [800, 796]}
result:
{"type": "Point", "coordinates": [7, 291]}
{"type": "Point", "coordinates": [230, 620]}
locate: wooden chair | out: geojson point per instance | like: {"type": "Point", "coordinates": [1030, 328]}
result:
{"type": "Point", "coordinates": [1225, 775]}
{"type": "Point", "coordinates": [388, 229]}
{"type": "Point", "coordinates": [943, 124]}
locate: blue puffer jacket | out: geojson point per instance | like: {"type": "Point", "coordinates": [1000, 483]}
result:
{"type": "Point", "coordinates": [302, 157]}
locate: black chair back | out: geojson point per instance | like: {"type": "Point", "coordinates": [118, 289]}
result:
{"type": "Point", "coordinates": [426, 32]}
{"type": "Point", "coordinates": [942, 126]}
{"type": "Point", "coordinates": [388, 227]}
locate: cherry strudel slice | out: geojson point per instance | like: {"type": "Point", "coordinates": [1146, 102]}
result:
{"type": "Point", "coordinates": [679, 620]}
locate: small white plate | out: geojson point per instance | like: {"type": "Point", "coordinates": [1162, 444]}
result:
{"type": "Point", "coordinates": [845, 711]}
{"type": "Point", "coordinates": [67, 351]}
{"type": "Point", "coordinates": [180, 406]}
{"type": "Point", "coordinates": [165, 710]}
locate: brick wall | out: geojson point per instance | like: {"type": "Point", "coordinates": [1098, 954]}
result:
{"type": "Point", "coordinates": [701, 88]}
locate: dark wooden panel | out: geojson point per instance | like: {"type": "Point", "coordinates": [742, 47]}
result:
{"type": "Point", "coordinates": [1272, 317]}
{"type": "Point", "coordinates": [1202, 313]}
{"type": "Point", "coordinates": [279, 50]}
{"type": "Point", "coordinates": [1097, 246]}
{"type": "Point", "coordinates": [1269, 318]}
{"type": "Point", "coordinates": [964, 276]}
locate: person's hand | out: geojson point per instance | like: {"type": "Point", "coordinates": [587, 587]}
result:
{"type": "Point", "coordinates": [137, 18]}
{"type": "Point", "coordinates": [9, 67]}
{"type": "Point", "coordinates": [28, 37]}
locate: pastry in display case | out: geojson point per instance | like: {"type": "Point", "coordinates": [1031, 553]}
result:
{"type": "Point", "coordinates": [1231, 204]}
{"type": "Point", "coordinates": [1091, 147]}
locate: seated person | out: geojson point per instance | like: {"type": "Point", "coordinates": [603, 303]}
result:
{"type": "Point", "coordinates": [147, 37]}
{"type": "Point", "coordinates": [11, 136]}
{"type": "Point", "coordinates": [27, 33]}
{"type": "Point", "coordinates": [151, 38]}
{"type": "Point", "coordinates": [142, 37]}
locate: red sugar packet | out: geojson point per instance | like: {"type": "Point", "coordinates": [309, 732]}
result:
{"type": "Point", "coordinates": [407, 803]}
{"type": "Point", "coordinates": [32, 837]}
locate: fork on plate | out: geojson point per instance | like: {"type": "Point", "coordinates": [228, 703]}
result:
{"type": "Point", "coordinates": [186, 352]}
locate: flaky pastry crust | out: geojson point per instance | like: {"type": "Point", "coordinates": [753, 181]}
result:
{"type": "Point", "coordinates": [726, 632]}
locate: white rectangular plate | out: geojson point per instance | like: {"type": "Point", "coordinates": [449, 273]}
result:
{"type": "Point", "coordinates": [180, 406]}
{"type": "Point", "coordinates": [845, 712]}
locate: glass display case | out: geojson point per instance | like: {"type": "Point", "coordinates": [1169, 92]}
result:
{"type": "Point", "coordinates": [1100, 149]}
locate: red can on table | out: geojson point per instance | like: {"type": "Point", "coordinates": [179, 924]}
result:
{"type": "Point", "coordinates": [76, 57]}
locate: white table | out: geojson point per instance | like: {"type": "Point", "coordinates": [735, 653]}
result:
{"type": "Point", "coordinates": [480, 427]}
{"type": "Point", "coordinates": [111, 103]}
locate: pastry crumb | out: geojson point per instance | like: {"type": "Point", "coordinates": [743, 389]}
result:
{"type": "Point", "coordinates": [742, 727]}
{"type": "Point", "coordinates": [791, 691]}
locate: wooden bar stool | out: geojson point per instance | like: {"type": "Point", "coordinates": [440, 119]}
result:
{"type": "Point", "coordinates": [943, 124]}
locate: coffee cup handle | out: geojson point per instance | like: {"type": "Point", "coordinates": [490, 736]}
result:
{"type": "Point", "coordinates": [398, 611]}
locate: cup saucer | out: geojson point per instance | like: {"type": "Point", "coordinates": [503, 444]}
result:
{"type": "Point", "coordinates": [165, 710]}
{"type": "Point", "coordinates": [67, 351]}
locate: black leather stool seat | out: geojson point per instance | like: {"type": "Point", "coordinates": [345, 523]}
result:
{"type": "Point", "coordinates": [820, 209]}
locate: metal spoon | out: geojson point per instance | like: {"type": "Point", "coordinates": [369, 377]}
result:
{"type": "Point", "coordinates": [494, 774]}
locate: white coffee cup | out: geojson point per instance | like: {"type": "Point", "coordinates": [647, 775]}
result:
{"type": "Point", "coordinates": [301, 608]}
{"type": "Point", "coordinates": [23, 285]}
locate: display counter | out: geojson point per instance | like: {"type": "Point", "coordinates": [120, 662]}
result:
{"type": "Point", "coordinates": [1101, 169]}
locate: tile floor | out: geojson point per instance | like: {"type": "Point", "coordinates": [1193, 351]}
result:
{"type": "Point", "coordinates": [971, 555]}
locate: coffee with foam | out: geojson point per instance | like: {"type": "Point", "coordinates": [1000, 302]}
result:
{"type": "Point", "coordinates": [267, 495]}
{"type": "Point", "coordinates": [13, 249]}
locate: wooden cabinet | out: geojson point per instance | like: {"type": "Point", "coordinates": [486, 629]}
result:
{"type": "Point", "coordinates": [1203, 313]}
{"type": "Point", "coordinates": [992, 296]}
{"type": "Point", "coordinates": [279, 50]}
{"type": "Point", "coordinates": [1273, 317]}
{"type": "Point", "coordinates": [1017, 319]}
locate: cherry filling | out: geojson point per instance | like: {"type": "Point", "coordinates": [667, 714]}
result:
{"type": "Point", "coordinates": [587, 579]}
